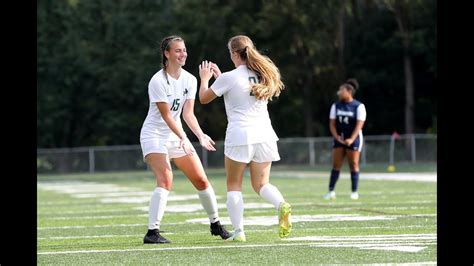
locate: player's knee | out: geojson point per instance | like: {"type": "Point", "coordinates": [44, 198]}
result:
{"type": "Point", "coordinates": [354, 166]}
{"type": "Point", "coordinates": [257, 186]}
{"type": "Point", "coordinates": [166, 184]}
{"type": "Point", "coordinates": [233, 185]}
{"type": "Point", "coordinates": [201, 183]}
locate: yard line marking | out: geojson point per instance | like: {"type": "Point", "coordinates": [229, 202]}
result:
{"type": "Point", "coordinates": [107, 193]}
{"type": "Point", "coordinates": [261, 220]}
{"type": "Point", "coordinates": [97, 226]}
{"type": "Point", "coordinates": [97, 236]}
{"type": "Point", "coordinates": [407, 264]}
{"type": "Point", "coordinates": [170, 249]}
{"type": "Point", "coordinates": [198, 207]}
{"type": "Point", "coordinates": [407, 247]}
{"type": "Point", "coordinates": [425, 177]}
{"type": "Point", "coordinates": [402, 242]}
{"type": "Point", "coordinates": [96, 217]}
{"type": "Point", "coordinates": [83, 212]}
{"type": "Point", "coordinates": [364, 237]}
{"type": "Point", "coordinates": [255, 230]}
{"type": "Point", "coordinates": [271, 220]}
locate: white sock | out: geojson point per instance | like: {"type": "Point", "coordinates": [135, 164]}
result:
{"type": "Point", "coordinates": [209, 202]}
{"type": "Point", "coordinates": [235, 207]}
{"type": "Point", "coordinates": [271, 194]}
{"type": "Point", "coordinates": [157, 207]}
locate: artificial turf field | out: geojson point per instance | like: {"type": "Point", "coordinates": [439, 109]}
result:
{"type": "Point", "coordinates": [101, 219]}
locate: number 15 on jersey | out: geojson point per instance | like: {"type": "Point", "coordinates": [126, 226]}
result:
{"type": "Point", "coordinates": [175, 105]}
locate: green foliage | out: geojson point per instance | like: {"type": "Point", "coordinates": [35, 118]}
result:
{"type": "Point", "coordinates": [95, 58]}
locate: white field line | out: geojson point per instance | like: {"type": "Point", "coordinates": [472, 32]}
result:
{"type": "Point", "coordinates": [406, 264]}
{"type": "Point", "coordinates": [390, 243]}
{"type": "Point", "coordinates": [107, 193]}
{"type": "Point", "coordinates": [96, 217]}
{"type": "Point", "coordinates": [403, 242]}
{"type": "Point", "coordinates": [86, 237]}
{"type": "Point", "coordinates": [169, 249]}
{"type": "Point", "coordinates": [183, 208]}
{"type": "Point", "coordinates": [81, 212]}
{"type": "Point", "coordinates": [405, 247]}
{"type": "Point", "coordinates": [424, 177]}
{"type": "Point", "coordinates": [342, 240]}
{"type": "Point", "coordinates": [262, 220]}
{"type": "Point", "coordinates": [96, 226]}
{"type": "Point", "coordinates": [271, 220]}
{"type": "Point", "coordinates": [369, 237]}
{"type": "Point", "coordinates": [253, 230]}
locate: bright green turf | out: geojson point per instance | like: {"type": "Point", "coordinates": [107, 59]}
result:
{"type": "Point", "coordinates": [413, 203]}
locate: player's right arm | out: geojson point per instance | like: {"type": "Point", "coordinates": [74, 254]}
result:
{"type": "Point", "coordinates": [166, 114]}
{"type": "Point", "coordinates": [332, 124]}
{"type": "Point", "coordinates": [332, 128]}
{"type": "Point", "coordinates": [164, 109]}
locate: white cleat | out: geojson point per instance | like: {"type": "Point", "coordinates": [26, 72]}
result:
{"type": "Point", "coordinates": [330, 195]}
{"type": "Point", "coordinates": [355, 195]}
{"type": "Point", "coordinates": [237, 236]}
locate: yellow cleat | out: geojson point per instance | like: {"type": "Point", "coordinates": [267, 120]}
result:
{"type": "Point", "coordinates": [284, 216]}
{"type": "Point", "coordinates": [237, 236]}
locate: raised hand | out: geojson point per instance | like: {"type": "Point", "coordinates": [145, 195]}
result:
{"type": "Point", "coordinates": [215, 70]}
{"type": "Point", "coordinates": [205, 72]}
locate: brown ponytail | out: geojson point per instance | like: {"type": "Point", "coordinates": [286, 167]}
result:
{"type": "Point", "coordinates": [270, 83]}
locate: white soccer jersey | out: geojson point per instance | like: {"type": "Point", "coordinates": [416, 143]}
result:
{"type": "Point", "coordinates": [248, 119]}
{"type": "Point", "coordinates": [175, 94]}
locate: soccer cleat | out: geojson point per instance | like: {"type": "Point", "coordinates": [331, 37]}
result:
{"type": "Point", "coordinates": [355, 195]}
{"type": "Point", "coordinates": [154, 237]}
{"type": "Point", "coordinates": [330, 195]}
{"type": "Point", "coordinates": [218, 230]}
{"type": "Point", "coordinates": [238, 236]}
{"type": "Point", "coordinates": [284, 219]}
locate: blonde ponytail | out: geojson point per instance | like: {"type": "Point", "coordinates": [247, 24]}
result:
{"type": "Point", "coordinates": [270, 83]}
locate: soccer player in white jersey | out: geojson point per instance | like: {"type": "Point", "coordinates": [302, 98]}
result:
{"type": "Point", "coordinates": [171, 91]}
{"type": "Point", "coordinates": [250, 138]}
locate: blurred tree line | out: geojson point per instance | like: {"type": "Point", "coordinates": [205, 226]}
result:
{"type": "Point", "coordinates": [95, 59]}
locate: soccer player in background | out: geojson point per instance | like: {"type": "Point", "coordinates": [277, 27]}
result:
{"type": "Point", "coordinates": [171, 91]}
{"type": "Point", "coordinates": [250, 138]}
{"type": "Point", "coordinates": [346, 119]}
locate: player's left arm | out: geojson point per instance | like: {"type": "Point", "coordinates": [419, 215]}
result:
{"type": "Point", "coordinates": [206, 71]}
{"type": "Point", "coordinates": [361, 116]}
{"type": "Point", "coordinates": [359, 125]}
{"type": "Point", "coordinates": [192, 122]}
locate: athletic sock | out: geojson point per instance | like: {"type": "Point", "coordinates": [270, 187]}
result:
{"type": "Point", "coordinates": [271, 194]}
{"type": "Point", "coordinates": [333, 179]}
{"type": "Point", "coordinates": [355, 181]}
{"type": "Point", "coordinates": [209, 202]}
{"type": "Point", "coordinates": [235, 207]}
{"type": "Point", "coordinates": [157, 207]}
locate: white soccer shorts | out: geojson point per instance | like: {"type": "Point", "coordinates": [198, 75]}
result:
{"type": "Point", "coordinates": [170, 148]}
{"type": "Point", "coordinates": [258, 152]}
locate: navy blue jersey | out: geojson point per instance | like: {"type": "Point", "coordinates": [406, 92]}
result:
{"type": "Point", "coordinates": [346, 115]}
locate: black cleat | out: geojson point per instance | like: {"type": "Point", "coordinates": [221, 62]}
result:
{"type": "Point", "coordinates": [154, 237]}
{"type": "Point", "coordinates": [218, 230]}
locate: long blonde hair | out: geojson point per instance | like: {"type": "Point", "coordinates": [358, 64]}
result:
{"type": "Point", "coordinates": [270, 83]}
